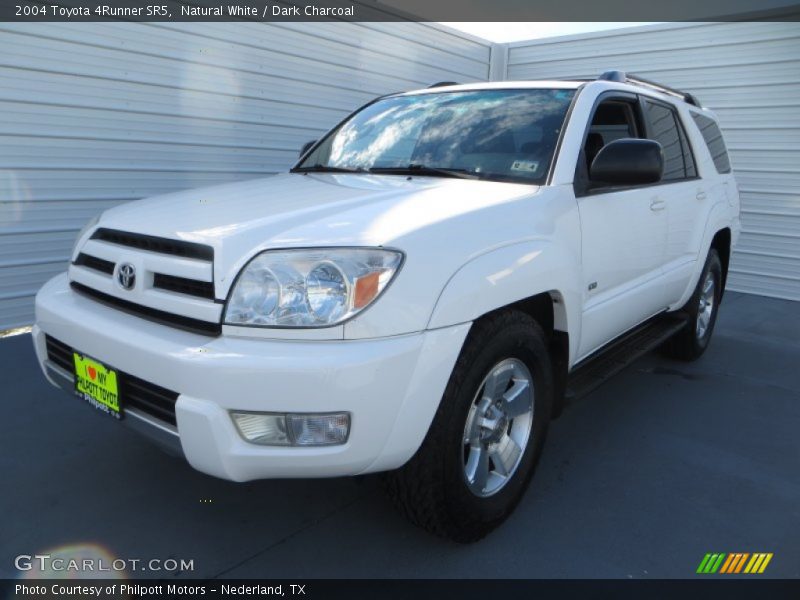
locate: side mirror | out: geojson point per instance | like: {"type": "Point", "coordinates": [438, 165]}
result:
{"type": "Point", "coordinates": [628, 161]}
{"type": "Point", "coordinates": [306, 147]}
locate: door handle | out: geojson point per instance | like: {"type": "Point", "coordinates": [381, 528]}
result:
{"type": "Point", "coordinates": [657, 204]}
{"type": "Point", "coordinates": [701, 195]}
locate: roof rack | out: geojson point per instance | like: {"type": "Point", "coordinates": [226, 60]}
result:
{"type": "Point", "coordinates": [622, 77]}
{"type": "Point", "coordinates": [442, 84]}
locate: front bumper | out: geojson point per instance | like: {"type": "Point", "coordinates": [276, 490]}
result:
{"type": "Point", "coordinates": [390, 386]}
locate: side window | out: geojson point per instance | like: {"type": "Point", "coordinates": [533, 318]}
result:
{"type": "Point", "coordinates": [678, 161]}
{"type": "Point", "coordinates": [713, 138]}
{"type": "Point", "coordinates": [612, 120]}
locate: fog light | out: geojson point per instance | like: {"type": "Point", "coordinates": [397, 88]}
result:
{"type": "Point", "coordinates": [319, 430]}
{"type": "Point", "coordinates": [262, 428]}
{"type": "Point", "coordinates": [271, 429]}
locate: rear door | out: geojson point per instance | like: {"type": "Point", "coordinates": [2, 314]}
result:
{"type": "Point", "coordinates": [684, 197]}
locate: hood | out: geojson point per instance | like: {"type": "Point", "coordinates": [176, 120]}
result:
{"type": "Point", "coordinates": [307, 210]}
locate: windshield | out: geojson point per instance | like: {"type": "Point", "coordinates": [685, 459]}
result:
{"type": "Point", "coordinates": [503, 135]}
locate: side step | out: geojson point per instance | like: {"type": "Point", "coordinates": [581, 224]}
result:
{"type": "Point", "coordinates": [600, 366]}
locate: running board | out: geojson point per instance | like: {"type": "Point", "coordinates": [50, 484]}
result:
{"type": "Point", "coordinates": [600, 366]}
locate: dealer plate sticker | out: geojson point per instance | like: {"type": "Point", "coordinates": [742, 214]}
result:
{"type": "Point", "coordinates": [527, 166]}
{"type": "Point", "coordinates": [97, 384]}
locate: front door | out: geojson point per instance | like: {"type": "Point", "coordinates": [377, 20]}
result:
{"type": "Point", "coordinates": [624, 240]}
{"type": "Point", "coordinates": [624, 236]}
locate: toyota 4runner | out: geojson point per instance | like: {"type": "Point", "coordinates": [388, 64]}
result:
{"type": "Point", "coordinates": [419, 295]}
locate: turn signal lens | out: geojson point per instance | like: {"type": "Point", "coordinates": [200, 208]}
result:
{"type": "Point", "coordinates": [367, 287]}
{"type": "Point", "coordinates": [319, 430]}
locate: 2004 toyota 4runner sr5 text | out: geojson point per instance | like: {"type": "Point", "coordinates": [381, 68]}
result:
{"type": "Point", "coordinates": [418, 295]}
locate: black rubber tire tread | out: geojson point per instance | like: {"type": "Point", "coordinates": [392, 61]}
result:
{"type": "Point", "coordinates": [424, 489]}
{"type": "Point", "coordinates": [684, 345]}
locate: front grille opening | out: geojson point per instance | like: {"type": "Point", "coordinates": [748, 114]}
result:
{"type": "Point", "coordinates": [94, 263]}
{"type": "Point", "coordinates": [60, 354]}
{"type": "Point", "coordinates": [151, 399]}
{"type": "Point", "coordinates": [182, 285]}
{"type": "Point", "coordinates": [197, 326]}
{"type": "Point", "coordinates": [155, 244]}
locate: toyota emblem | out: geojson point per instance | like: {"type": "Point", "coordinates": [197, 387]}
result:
{"type": "Point", "coordinates": [126, 276]}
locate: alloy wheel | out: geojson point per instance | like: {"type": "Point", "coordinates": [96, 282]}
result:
{"type": "Point", "coordinates": [498, 427]}
{"type": "Point", "coordinates": [705, 310]}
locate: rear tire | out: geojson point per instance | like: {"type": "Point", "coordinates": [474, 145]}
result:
{"type": "Point", "coordinates": [702, 307]}
{"type": "Point", "coordinates": [486, 437]}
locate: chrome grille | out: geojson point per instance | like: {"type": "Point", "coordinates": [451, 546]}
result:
{"type": "Point", "coordinates": [173, 284]}
{"type": "Point", "coordinates": [155, 244]}
{"type": "Point", "coordinates": [182, 285]}
{"type": "Point", "coordinates": [92, 262]}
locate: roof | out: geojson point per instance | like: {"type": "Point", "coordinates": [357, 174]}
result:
{"type": "Point", "coordinates": [500, 85]}
{"type": "Point", "coordinates": [609, 79]}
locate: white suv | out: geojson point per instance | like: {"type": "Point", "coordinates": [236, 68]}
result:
{"type": "Point", "coordinates": [418, 295]}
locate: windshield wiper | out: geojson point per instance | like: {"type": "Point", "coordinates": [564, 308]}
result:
{"type": "Point", "coordinates": [412, 169]}
{"type": "Point", "coordinates": [418, 169]}
{"type": "Point", "coordinates": [319, 168]}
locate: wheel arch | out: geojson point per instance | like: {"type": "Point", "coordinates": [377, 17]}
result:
{"type": "Point", "coordinates": [535, 276]}
{"type": "Point", "coordinates": [516, 277]}
{"type": "Point", "coordinates": [548, 309]}
{"type": "Point", "coordinates": [721, 242]}
{"type": "Point", "coordinates": [718, 234]}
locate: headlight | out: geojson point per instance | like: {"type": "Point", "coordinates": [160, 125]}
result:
{"type": "Point", "coordinates": [309, 288]}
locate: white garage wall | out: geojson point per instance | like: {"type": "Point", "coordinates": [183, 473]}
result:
{"type": "Point", "coordinates": [91, 116]}
{"type": "Point", "coordinates": [749, 74]}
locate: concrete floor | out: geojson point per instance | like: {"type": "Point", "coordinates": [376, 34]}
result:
{"type": "Point", "coordinates": [662, 464]}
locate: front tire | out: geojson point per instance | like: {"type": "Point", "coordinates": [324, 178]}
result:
{"type": "Point", "coordinates": [483, 445]}
{"type": "Point", "coordinates": [691, 342]}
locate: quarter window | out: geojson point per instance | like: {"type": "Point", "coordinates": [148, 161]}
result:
{"type": "Point", "coordinates": [713, 138]}
{"type": "Point", "coordinates": [688, 157]}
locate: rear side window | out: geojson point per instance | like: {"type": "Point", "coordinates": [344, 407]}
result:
{"type": "Point", "coordinates": [688, 157]}
{"type": "Point", "coordinates": [716, 145]}
{"type": "Point", "coordinates": [665, 129]}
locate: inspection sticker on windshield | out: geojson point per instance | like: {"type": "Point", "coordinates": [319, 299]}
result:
{"type": "Point", "coordinates": [97, 384]}
{"type": "Point", "coordinates": [529, 166]}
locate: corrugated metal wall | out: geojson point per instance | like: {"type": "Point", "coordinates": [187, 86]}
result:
{"type": "Point", "coordinates": [749, 74]}
{"type": "Point", "coordinates": [91, 116]}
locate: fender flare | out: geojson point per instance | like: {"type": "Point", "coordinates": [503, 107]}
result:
{"type": "Point", "coordinates": [505, 275]}
{"type": "Point", "coordinates": [718, 218]}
